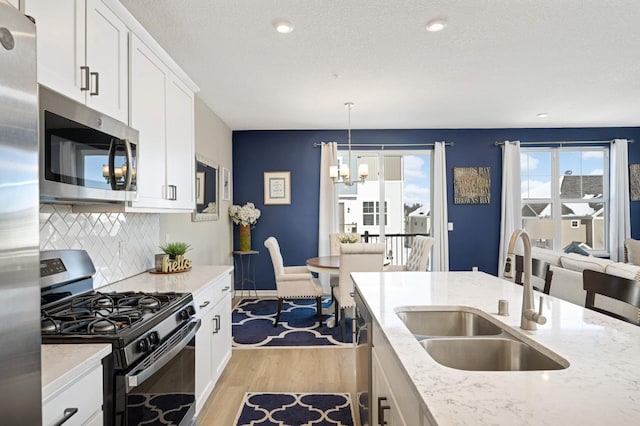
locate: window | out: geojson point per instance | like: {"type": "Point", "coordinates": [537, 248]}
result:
{"type": "Point", "coordinates": [371, 213]}
{"type": "Point", "coordinates": [405, 187]}
{"type": "Point", "coordinates": [565, 197]}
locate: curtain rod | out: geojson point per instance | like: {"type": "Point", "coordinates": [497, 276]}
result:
{"type": "Point", "coordinates": [562, 142]}
{"type": "Point", "coordinates": [382, 146]}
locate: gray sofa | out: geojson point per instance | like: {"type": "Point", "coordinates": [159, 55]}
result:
{"type": "Point", "coordinates": [567, 270]}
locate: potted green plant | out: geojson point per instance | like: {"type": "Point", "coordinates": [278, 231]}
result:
{"type": "Point", "coordinates": [174, 249]}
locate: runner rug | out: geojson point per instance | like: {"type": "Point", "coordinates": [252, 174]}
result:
{"type": "Point", "coordinates": [295, 409]}
{"type": "Point", "coordinates": [252, 325]}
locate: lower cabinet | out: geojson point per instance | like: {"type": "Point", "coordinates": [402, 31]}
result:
{"type": "Point", "coordinates": [80, 402]}
{"type": "Point", "coordinates": [394, 398]}
{"type": "Point", "coordinates": [213, 340]}
{"type": "Point", "coordinates": [384, 405]}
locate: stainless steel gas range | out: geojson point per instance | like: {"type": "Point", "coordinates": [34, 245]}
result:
{"type": "Point", "coordinates": [149, 378]}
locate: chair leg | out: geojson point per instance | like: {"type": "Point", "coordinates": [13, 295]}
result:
{"type": "Point", "coordinates": [319, 308]}
{"type": "Point", "coordinates": [343, 322]}
{"type": "Point", "coordinates": [275, 324]}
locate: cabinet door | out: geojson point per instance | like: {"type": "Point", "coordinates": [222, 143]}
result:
{"type": "Point", "coordinates": [384, 405]}
{"type": "Point", "coordinates": [60, 27]}
{"type": "Point", "coordinates": [180, 144]}
{"type": "Point", "coordinates": [148, 82]}
{"type": "Point", "coordinates": [221, 349]}
{"type": "Point", "coordinates": [204, 376]}
{"type": "Point", "coordinates": [107, 58]}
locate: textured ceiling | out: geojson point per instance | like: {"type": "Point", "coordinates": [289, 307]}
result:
{"type": "Point", "coordinates": [498, 63]}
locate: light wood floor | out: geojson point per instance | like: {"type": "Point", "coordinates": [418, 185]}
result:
{"type": "Point", "coordinates": [277, 370]}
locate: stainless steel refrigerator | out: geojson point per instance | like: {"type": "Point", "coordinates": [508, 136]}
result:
{"type": "Point", "coordinates": [20, 382]}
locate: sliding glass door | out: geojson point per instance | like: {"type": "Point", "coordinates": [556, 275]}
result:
{"type": "Point", "coordinates": [394, 200]}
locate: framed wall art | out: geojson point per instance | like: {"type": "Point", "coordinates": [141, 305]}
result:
{"type": "Point", "coordinates": [206, 190]}
{"type": "Point", "coordinates": [277, 188]}
{"type": "Point", "coordinates": [471, 185]}
{"type": "Point", "coordinates": [634, 182]}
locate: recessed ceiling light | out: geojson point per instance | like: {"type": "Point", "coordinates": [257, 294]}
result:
{"type": "Point", "coordinates": [282, 26]}
{"type": "Point", "coordinates": [437, 24]}
{"type": "Point", "coordinates": [543, 115]}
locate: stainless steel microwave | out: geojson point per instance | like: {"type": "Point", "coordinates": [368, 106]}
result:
{"type": "Point", "coordinates": [85, 156]}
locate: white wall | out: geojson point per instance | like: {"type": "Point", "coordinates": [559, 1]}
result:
{"type": "Point", "coordinates": [211, 241]}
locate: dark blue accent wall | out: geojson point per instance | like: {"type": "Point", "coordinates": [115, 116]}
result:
{"type": "Point", "coordinates": [475, 238]}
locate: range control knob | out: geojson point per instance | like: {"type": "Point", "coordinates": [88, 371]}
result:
{"type": "Point", "coordinates": [143, 345]}
{"type": "Point", "coordinates": [191, 309]}
{"type": "Point", "coordinates": [154, 338]}
{"type": "Point", "coordinates": [184, 314]}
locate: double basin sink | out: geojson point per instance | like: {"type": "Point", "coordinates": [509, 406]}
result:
{"type": "Point", "coordinates": [469, 339]}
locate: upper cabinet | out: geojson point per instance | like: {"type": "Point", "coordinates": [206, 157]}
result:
{"type": "Point", "coordinates": [162, 110]}
{"type": "Point", "coordinates": [83, 53]}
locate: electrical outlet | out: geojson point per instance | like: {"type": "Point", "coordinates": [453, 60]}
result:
{"type": "Point", "coordinates": [450, 226]}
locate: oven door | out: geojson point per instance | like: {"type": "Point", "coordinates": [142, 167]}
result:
{"type": "Point", "coordinates": [160, 389]}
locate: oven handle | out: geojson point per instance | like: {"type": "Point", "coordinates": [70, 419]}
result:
{"type": "Point", "coordinates": [137, 376]}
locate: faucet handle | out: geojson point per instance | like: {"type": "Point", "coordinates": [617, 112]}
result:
{"type": "Point", "coordinates": [539, 318]}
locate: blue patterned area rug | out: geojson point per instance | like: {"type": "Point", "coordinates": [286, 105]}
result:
{"type": "Point", "coordinates": [295, 409]}
{"type": "Point", "coordinates": [252, 325]}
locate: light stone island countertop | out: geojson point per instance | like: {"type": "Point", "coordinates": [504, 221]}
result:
{"type": "Point", "coordinates": [63, 363]}
{"type": "Point", "coordinates": [601, 385]}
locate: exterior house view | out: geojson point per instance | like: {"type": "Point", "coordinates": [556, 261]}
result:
{"type": "Point", "coordinates": [251, 212]}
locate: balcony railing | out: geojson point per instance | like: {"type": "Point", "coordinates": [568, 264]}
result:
{"type": "Point", "coordinates": [397, 246]}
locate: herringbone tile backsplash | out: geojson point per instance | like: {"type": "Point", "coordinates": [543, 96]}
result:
{"type": "Point", "coordinates": [120, 244]}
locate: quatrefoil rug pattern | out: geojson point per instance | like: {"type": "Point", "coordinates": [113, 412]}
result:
{"type": "Point", "coordinates": [295, 409]}
{"type": "Point", "coordinates": [252, 325]}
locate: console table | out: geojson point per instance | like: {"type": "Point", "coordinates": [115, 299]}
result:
{"type": "Point", "coordinates": [245, 267]}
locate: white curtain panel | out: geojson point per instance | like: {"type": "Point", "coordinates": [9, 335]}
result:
{"type": "Point", "coordinates": [328, 215]}
{"type": "Point", "coordinates": [440, 217]}
{"type": "Point", "coordinates": [620, 223]}
{"type": "Point", "coordinates": [511, 210]}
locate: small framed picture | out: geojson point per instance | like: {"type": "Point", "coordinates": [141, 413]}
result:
{"type": "Point", "coordinates": [277, 188]}
{"type": "Point", "coordinates": [226, 184]}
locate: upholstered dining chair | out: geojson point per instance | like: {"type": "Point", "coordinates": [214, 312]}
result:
{"type": "Point", "coordinates": [623, 289]}
{"type": "Point", "coordinates": [359, 257]}
{"type": "Point", "coordinates": [539, 269]}
{"type": "Point", "coordinates": [292, 282]}
{"type": "Point", "coordinates": [418, 259]}
{"type": "Point", "coordinates": [334, 250]}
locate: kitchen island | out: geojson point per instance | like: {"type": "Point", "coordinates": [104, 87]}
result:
{"type": "Point", "coordinates": [600, 386]}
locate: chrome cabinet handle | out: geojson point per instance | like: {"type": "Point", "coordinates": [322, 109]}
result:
{"type": "Point", "coordinates": [172, 192]}
{"type": "Point", "coordinates": [216, 321]}
{"type": "Point", "coordinates": [381, 408]}
{"type": "Point", "coordinates": [68, 413]}
{"type": "Point", "coordinates": [205, 304]}
{"type": "Point", "coordinates": [96, 76]}
{"type": "Point", "coordinates": [85, 77]}
{"type": "Point", "coordinates": [225, 289]}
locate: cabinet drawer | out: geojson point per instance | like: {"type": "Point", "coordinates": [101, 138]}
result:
{"type": "Point", "coordinates": [85, 394]}
{"type": "Point", "coordinates": [204, 301]}
{"type": "Point", "coordinates": [221, 287]}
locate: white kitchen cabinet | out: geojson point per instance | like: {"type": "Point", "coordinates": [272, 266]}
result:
{"type": "Point", "coordinates": [213, 341]}
{"type": "Point", "coordinates": [83, 394]}
{"type": "Point", "coordinates": [384, 404]}
{"type": "Point", "coordinates": [162, 110]}
{"type": "Point", "coordinates": [390, 381]}
{"type": "Point", "coordinates": [82, 52]}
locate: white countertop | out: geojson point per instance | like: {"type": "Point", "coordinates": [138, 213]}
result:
{"type": "Point", "coordinates": [61, 364]}
{"type": "Point", "coordinates": [601, 385]}
{"type": "Point", "coordinates": [182, 282]}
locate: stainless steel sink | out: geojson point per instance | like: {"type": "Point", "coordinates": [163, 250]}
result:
{"type": "Point", "coordinates": [427, 323]}
{"type": "Point", "coordinates": [468, 339]}
{"type": "Point", "coordinates": [493, 354]}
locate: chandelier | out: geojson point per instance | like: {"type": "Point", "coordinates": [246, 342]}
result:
{"type": "Point", "coordinates": [343, 173]}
